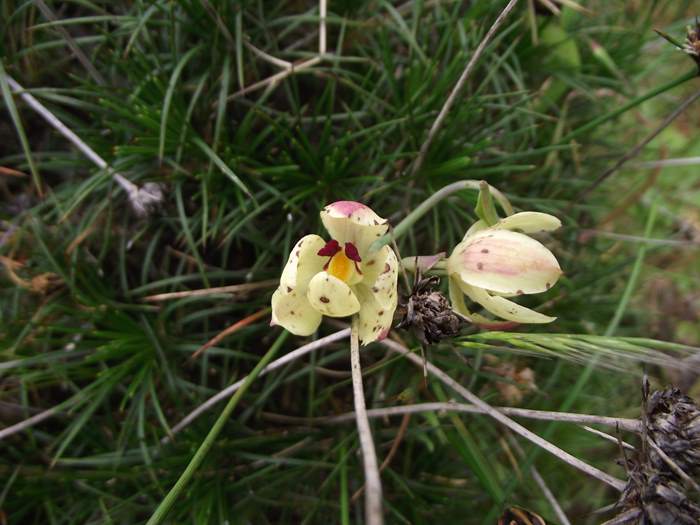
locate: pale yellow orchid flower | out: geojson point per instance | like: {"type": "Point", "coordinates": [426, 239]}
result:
{"type": "Point", "coordinates": [499, 261]}
{"type": "Point", "coordinates": [340, 277]}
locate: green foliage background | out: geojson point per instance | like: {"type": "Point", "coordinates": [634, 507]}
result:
{"type": "Point", "coordinates": [245, 176]}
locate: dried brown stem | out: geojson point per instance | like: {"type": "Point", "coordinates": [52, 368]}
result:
{"type": "Point", "coordinates": [232, 289]}
{"type": "Point", "coordinates": [506, 421]}
{"type": "Point", "coordinates": [230, 330]}
{"type": "Point", "coordinates": [274, 365]}
{"type": "Point", "coordinates": [458, 87]}
{"type": "Point", "coordinates": [373, 496]}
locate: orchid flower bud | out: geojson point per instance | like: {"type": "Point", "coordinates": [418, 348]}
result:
{"type": "Point", "coordinates": [499, 261]}
{"type": "Point", "coordinates": [340, 277]}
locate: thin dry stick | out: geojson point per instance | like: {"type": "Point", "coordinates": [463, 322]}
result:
{"type": "Point", "coordinates": [274, 365]}
{"type": "Point", "coordinates": [607, 436]}
{"type": "Point", "coordinates": [392, 452]}
{"type": "Point", "coordinates": [289, 67]}
{"type": "Point", "coordinates": [505, 420]}
{"type": "Point", "coordinates": [639, 147]}
{"type": "Point", "coordinates": [667, 163]}
{"type": "Point", "coordinates": [373, 496]}
{"type": "Point", "coordinates": [138, 199]}
{"type": "Point", "coordinates": [284, 64]}
{"type": "Point", "coordinates": [230, 330]}
{"type": "Point", "coordinates": [277, 77]}
{"type": "Point", "coordinates": [322, 11]}
{"type": "Point", "coordinates": [629, 425]}
{"type": "Point", "coordinates": [561, 516]}
{"type": "Point", "coordinates": [29, 422]}
{"type": "Point", "coordinates": [233, 289]}
{"type": "Point", "coordinates": [458, 87]}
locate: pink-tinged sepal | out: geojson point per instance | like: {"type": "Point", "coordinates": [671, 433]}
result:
{"type": "Point", "coordinates": [492, 263]}
{"type": "Point", "coordinates": [355, 223]}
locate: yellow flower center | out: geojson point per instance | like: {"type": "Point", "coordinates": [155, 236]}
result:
{"type": "Point", "coordinates": [341, 267]}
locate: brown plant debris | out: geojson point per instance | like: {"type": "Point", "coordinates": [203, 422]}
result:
{"type": "Point", "coordinates": [428, 313]}
{"type": "Point", "coordinates": [519, 516]}
{"type": "Point", "coordinates": [661, 489]}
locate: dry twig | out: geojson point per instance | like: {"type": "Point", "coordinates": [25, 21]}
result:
{"type": "Point", "coordinates": [458, 87]}
{"type": "Point", "coordinates": [373, 495]}
{"type": "Point", "coordinates": [506, 421]}
{"type": "Point", "coordinates": [274, 365]}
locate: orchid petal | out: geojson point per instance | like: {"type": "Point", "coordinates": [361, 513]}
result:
{"type": "Point", "coordinates": [528, 222]}
{"type": "Point", "coordinates": [374, 264]}
{"type": "Point", "coordinates": [504, 262]}
{"type": "Point", "coordinates": [293, 312]}
{"type": "Point", "coordinates": [376, 314]}
{"type": "Point", "coordinates": [353, 222]}
{"type": "Point", "coordinates": [303, 263]}
{"type": "Point", "coordinates": [331, 296]}
{"type": "Point", "coordinates": [457, 298]}
{"type": "Point", "coordinates": [504, 308]}
{"type": "Point", "coordinates": [384, 286]}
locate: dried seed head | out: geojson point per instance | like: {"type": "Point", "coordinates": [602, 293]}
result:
{"type": "Point", "coordinates": [673, 422]}
{"type": "Point", "coordinates": [692, 42]}
{"type": "Point", "coordinates": [428, 313]}
{"type": "Point", "coordinates": [656, 493]}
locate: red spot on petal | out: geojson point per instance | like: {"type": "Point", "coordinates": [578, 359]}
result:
{"type": "Point", "coordinates": [324, 299]}
{"type": "Point", "coordinates": [352, 253]}
{"type": "Point", "coordinates": [330, 249]}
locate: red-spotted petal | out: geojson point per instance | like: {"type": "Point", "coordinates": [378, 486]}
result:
{"type": "Point", "coordinates": [293, 312]}
{"type": "Point", "coordinates": [303, 263]}
{"type": "Point", "coordinates": [376, 315]}
{"type": "Point", "coordinates": [504, 262]}
{"type": "Point", "coordinates": [331, 296]}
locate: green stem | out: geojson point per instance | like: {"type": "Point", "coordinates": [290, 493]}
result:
{"type": "Point", "coordinates": [632, 103]}
{"type": "Point", "coordinates": [175, 492]}
{"type": "Point", "coordinates": [431, 201]}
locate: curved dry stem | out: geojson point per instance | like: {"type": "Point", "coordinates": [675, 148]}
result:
{"type": "Point", "coordinates": [373, 492]}
{"type": "Point", "coordinates": [274, 365]}
{"type": "Point", "coordinates": [459, 85]}
{"type": "Point", "coordinates": [614, 482]}
{"type": "Point", "coordinates": [629, 425]}
{"type": "Point", "coordinates": [29, 422]}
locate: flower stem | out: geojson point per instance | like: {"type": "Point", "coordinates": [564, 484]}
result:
{"type": "Point", "coordinates": [373, 494]}
{"type": "Point", "coordinates": [165, 505]}
{"type": "Point", "coordinates": [431, 201]}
